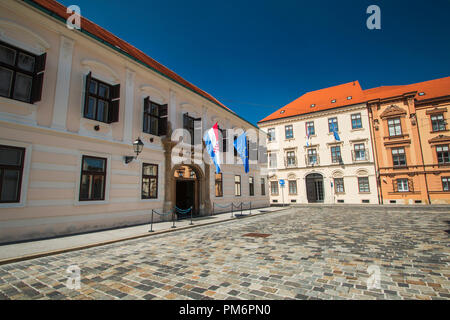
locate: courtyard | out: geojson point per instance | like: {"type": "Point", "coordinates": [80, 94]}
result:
{"type": "Point", "coordinates": [305, 252]}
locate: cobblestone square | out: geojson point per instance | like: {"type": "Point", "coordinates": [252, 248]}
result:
{"type": "Point", "coordinates": [314, 252]}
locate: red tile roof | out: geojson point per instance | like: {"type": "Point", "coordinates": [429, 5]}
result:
{"type": "Point", "coordinates": [322, 98]}
{"type": "Point", "coordinates": [61, 11]}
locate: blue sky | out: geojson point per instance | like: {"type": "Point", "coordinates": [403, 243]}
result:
{"type": "Point", "coordinates": [257, 56]}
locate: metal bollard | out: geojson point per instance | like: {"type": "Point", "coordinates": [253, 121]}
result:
{"type": "Point", "coordinates": [213, 209]}
{"type": "Point", "coordinates": [191, 217]}
{"type": "Point", "coordinates": [232, 209]}
{"type": "Point", "coordinates": [173, 218]}
{"type": "Point", "coordinates": [250, 208]}
{"type": "Point", "coordinates": [151, 223]}
{"type": "Point", "coordinates": [241, 208]}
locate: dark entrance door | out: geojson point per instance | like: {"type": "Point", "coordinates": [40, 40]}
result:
{"type": "Point", "coordinates": [185, 194]}
{"type": "Point", "coordinates": [314, 188]}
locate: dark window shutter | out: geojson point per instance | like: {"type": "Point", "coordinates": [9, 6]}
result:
{"type": "Point", "coordinates": [235, 150]}
{"type": "Point", "coordinates": [224, 140]}
{"type": "Point", "coordinates": [144, 117]}
{"type": "Point", "coordinates": [115, 92]}
{"type": "Point", "coordinates": [38, 78]}
{"type": "Point", "coordinates": [39, 65]}
{"type": "Point", "coordinates": [36, 90]}
{"type": "Point", "coordinates": [86, 91]}
{"type": "Point", "coordinates": [113, 111]}
{"type": "Point", "coordinates": [162, 121]}
{"type": "Point", "coordinates": [185, 120]}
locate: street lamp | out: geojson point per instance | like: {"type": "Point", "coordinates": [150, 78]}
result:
{"type": "Point", "coordinates": [138, 145]}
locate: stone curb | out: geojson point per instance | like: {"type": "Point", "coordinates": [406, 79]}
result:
{"type": "Point", "coordinates": [98, 244]}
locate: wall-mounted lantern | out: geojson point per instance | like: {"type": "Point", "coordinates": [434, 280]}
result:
{"type": "Point", "coordinates": [138, 145]}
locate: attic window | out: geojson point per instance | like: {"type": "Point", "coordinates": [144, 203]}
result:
{"type": "Point", "coordinates": [421, 93]}
{"type": "Point", "coordinates": [282, 111]}
{"type": "Point", "coordinates": [349, 98]}
{"type": "Point", "coordinates": [313, 105]}
{"type": "Point", "coordinates": [333, 101]}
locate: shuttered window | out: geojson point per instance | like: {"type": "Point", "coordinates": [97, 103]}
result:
{"type": "Point", "coordinates": [155, 118]}
{"type": "Point", "coordinates": [101, 100]}
{"type": "Point", "coordinates": [21, 74]}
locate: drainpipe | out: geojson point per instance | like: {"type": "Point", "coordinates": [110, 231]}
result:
{"type": "Point", "coordinates": [375, 158]}
{"type": "Point", "coordinates": [421, 155]}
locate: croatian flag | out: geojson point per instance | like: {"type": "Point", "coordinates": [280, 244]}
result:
{"type": "Point", "coordinates": [211, 138]}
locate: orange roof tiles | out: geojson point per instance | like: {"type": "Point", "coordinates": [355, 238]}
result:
{"type": "Point", "coordinates": [322, 98]}
{"type": "Point", "coordinates": [61, 11]}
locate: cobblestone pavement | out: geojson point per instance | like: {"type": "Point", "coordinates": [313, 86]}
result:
{"type": "Point", "coordinates": [311, 253]}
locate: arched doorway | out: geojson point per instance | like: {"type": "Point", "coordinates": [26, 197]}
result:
{"type": "Point", "coordinates": [187, 188]}
{"type": "Point", "coordinates": [314, 187]}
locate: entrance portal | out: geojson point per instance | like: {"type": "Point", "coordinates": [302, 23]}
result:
{"type": "Point", "coordinates": [314, 187]}
{"type": "Point", "coordinates": [186, 188]}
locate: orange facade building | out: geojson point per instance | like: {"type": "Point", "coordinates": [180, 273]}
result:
{"type": "Point", "coordinates": [411, 139]}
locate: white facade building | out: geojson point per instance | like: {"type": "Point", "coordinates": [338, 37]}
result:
{"type": "Point", "coordinates": [320, 168]}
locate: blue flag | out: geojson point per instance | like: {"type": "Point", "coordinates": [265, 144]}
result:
{"type": "Point", "coordinates": [336, 135]}
{"type": "Point", "coordinates": [241, 146]}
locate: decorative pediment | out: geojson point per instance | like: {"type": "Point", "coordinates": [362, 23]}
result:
{"type": "Point", "coordinates": [440, 139]}
{"type": "Point", "coordinates": [436, 110]}
{"type": "Point", "coordinates": [392, 111]}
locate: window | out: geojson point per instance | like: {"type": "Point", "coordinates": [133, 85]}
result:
{"type": "Point", "coordinates": [442, 154]}
{"type": "Point", "coordinates": [93, 178]}
{"type": "Point", "coordinates": [356, 121]}
{"type": "Point", "coordinates": [312, 156]}
{"type": "Point", "coordinates": [310, 128]}
{"type": "Point", "coordinates": [394, 127]}
{"type": "Point", "coordinates": [398, 157]}
{"type": "Point", "coordinates": [224, 139]}
{"type": "Point", "coordinates": [21, 74]}
{"type": "Point", "coordinates": [292, 187]}
{"type": "Point", "coordinates": [192, 125]}
{"type": "Point", "coordinates": [332, 122]}
{"type": "Point", "coordinates": [155, 118]}
{"type": "Point", "coordinates": [339, 185]}
{"type": "Point", "coordinates": [290, 159]}
{"type": "Point", "coordinates": [289, 132]}
{"type": "Point", "coordinates": [402, 185]}
{"type": "Point", "coordinates": [438, 122]}
{"type": "Point", "coordinates": [237, 185]}
{"type": "Point", "coordinates": [219, 185]}
{"type": "Point", "coordinates": [363, 183]}
{"type": "Point", "coordinates": [149, 181]}
{"type": "Point", "coordinates": [274, 187]}
{"type": "Point", "coordinates": [101, 100]}
{"type": "Point", "coordinates": [251, 186]}
{"type": "Point", "coordinates": [445, 183]}
{"type": "Point", "coordinates": [11, 170]}
{"type": "Point", "coordinates": [271, 134]}
{"type": "Point", "coordinates": [359, 152]}
{"type": "Point", "coordinates": [263, 187]}
{"type": "Point", "coordinates": [272, 160]}
{"type": "Point", "coordinates": [336, 154]}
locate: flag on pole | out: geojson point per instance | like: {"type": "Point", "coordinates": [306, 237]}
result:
{"type": "Point", "coordinates": [334, 129]}
{"type": "Point", "coordinates": [211, 138]}
{"type": "Point", "coordinates": [241, 146]}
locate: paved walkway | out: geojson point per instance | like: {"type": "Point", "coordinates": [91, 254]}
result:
{"type": "Point", "coordinates": [32, 249]}
{"type": "Point", "coordinates": [337, 252]}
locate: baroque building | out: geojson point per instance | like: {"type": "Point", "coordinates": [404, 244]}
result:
{"type": "Point", "coordinates": [86, 131]}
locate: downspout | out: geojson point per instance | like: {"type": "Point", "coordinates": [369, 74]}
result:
{"type": "Point", "coordinates": [374, 152]}
{"type": "Point", "coordinates": [421, 155]}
